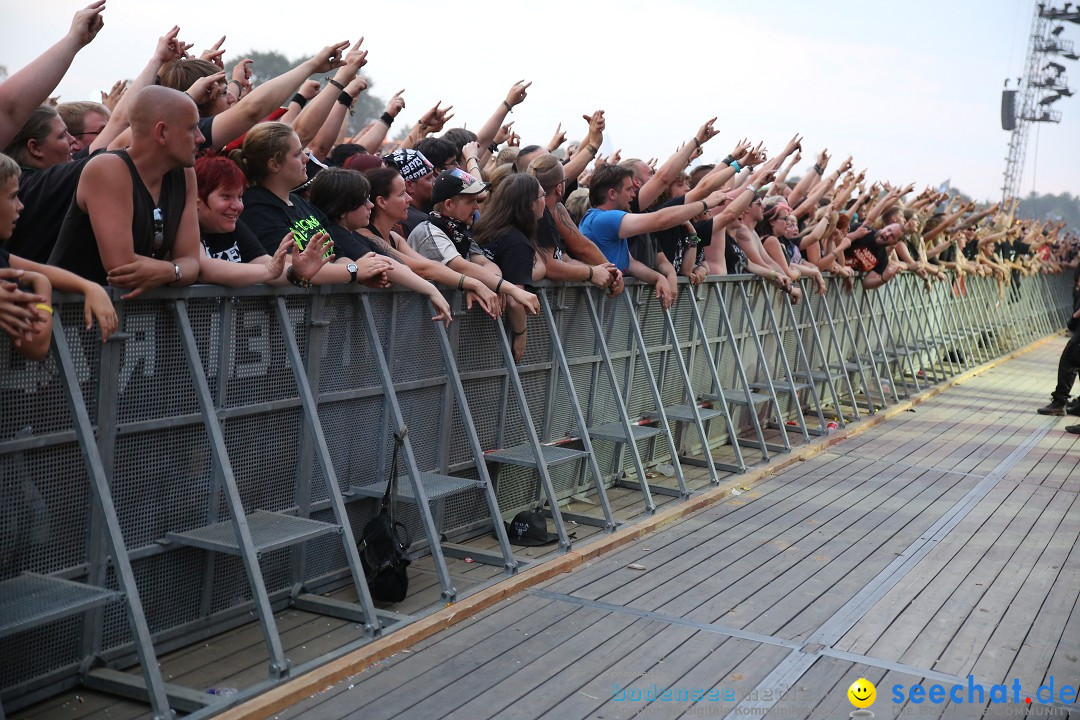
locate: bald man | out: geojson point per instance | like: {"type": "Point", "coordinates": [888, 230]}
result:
{"type": "Point", "coordinates": [133, 222]}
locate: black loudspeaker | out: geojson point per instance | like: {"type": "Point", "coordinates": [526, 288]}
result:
{"type": "Point", "coordinates": [1008, 110]}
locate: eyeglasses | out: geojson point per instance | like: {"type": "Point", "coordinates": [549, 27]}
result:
{"type": "Point", "coordinates": [88, 132]}
{"type": "Point", "coordinates": [159, 229]}
{"type": "Point", "coordinates": [542, 195]}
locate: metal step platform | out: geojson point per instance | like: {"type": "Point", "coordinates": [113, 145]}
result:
{"type": "Point", "coordinates": [28, 601]}
{"type": "Point", "coordinates": [269, 531]}
{"type": "Point", "coordinates": [522, 455]}
{"type": "Point", "coordinates": [435, 486]}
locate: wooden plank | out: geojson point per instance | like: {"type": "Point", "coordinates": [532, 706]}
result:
{"type": "Point", "coordinates": [1035, 619]}
{"type": "Point", "coordinates": [957, 588]}
{"type": "Point", "coordinates": [671, 554]}
{"type": "Point", "coordinates": [991, 594]}
{"type": "Point", "coordinates": [900, 616]}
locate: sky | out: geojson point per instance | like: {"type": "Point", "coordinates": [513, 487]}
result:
{"type": "Point", "coordinates": [911, 89]}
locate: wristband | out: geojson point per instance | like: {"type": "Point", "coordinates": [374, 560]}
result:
{"type": "Point", "coordinates": [295, 280]}
{"type": "Point", "coordinates": [818, 169]}
{"type": "Point", "coordinates": [239, 87]}
{"type": "Point", "coordinates": [592, 149]}
{"type": "Point", "coordinates": [461, 282]}
{"type": "Point", "coordinates": [499, 284]}
{"type": "Point", "coordinates": [589, 279]}
{"type": "Point", "coordinates": [736, 165]}
{"type": "Point", "coordinates": [751, 188]}
{"type": "Point", "coordinates": [509, 107]}
{"type": "Point", "coordinates": [693, 240]}
{"type": "Point", "coordinates": [728, 160]}
{"type": "Point", "coordinates": [299, 100]}
{"type": "Point", "coordinates": [387, 118]}
{"type": "Point", "coordinates": [43, 306]}
{"type": "Point", "coordinates": [494, 148]}
{"type": "Point", "coordinates": [696, 141]}
{"type": "Point", "coordinates": [705, 205]}
{"type": "Point", "coordinates": [345, 99]}
{"type": "Point", "coordinates": [336, 84]}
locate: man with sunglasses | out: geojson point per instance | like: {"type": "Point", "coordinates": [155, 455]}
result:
{"type": "Point", "coordinates": [133, 222]}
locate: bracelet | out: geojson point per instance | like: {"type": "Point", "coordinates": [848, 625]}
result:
{"type": "Point", "coordinates": [818, 169]}
{"type": "Point", "coordinates": [751, 188]}
{"type": "Point", "coordinates": [461, 282]}
{"type": "Point", "coordinates": [239, 87]}
{"type": "Point", "coordinates": [295, 280]}
{"type": "Point", "coordinates": [336, 84]}
{"type": "Point", "coordinates": [494, 148]}
{"type": "Point", "coordinates": [43, 306]}
{"type": "Point", "coordinates": [387, 118]}
{"type": "Point", "coordinates": [737, 166]}
{"type": "Point", "coordinates": [515, 333]}
{"type": "Point", "coordinates": [592, 149]}
{"type": "Point", "coordinates": [345, 99]}
{"type": "Point", "coordinates": [693, 240]}
{"type": "Point", "coordinates": [299, 100]}
{"type": "Point", "coordinates": [499, 285]}
{"type": "Point", "coordinates": [589, 279]}
{"type": "Point", "coordinates": [728, 160]}
{"type": "Point", "coordinates": [705, 205]}
{"type": "Point", "coordinates": [509, 107]}
{"type": "Point", "coordinates": [696, 141]}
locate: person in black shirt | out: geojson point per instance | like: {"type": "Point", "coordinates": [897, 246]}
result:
{"type": "Point", "coordinates": [275, 163]}
{"type": "Point", "coordinates": [232, 255]}
{"type": "Point", "coordinates": [26, 287]}
{"type": "Point", "coordinates": [507, 233]}
{"type": "Point", "coordinates": [49, 179]}
{"type": "Point", "coordinates": [343, 195]}
{"type": "Point", "coordinates": [134, 211]}
{"type": "Point", "coordinates": [419, 176]}
{"type": "Point", "coordinates": [559, 260]}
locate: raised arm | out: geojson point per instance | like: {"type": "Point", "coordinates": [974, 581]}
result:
{"type": "Point", "coordinates": [675, 164]}
{"type": "Point", "coordinates": [273, 93]}
{"type": "Point", "coordinates": [372, 138]}
{"type": "Point", "coordinates": [28, 88]}
{"type": "Point", "coordinates": [577, 164]}
{"type": "Point", "coordinates": [490, 128]}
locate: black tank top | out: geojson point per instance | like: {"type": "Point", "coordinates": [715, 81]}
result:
{"type": "Point", "coordinates": [153, 228]}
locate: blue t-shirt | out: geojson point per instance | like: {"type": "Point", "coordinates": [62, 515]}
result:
{"type": "Point", "coordinates": [602, 227]}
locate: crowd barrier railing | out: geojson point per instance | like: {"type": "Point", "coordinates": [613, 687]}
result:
{"type": "Point", "coordinates": [220, 454]}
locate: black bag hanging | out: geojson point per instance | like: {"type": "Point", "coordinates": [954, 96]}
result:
{"type": "Point", "coordinates": [384, 544]}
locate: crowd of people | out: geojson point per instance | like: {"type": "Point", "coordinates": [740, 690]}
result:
{"type": "Point", "coordinates": [189, 173]}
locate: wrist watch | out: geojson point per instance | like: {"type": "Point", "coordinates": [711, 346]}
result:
{"type": "Point", "coordinates": [178, 273]}
{"type": "Point", "coordinates": [351, 267]}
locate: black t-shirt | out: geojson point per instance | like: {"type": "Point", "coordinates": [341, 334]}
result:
{"type": "Point", "coordinates": [240, 245]}
{"type": "Point", "coordinates": [547, 235]}
{"type": "Point", "coordinates": [733, 255]}
{"type": "Point", "coordinates": [46, 195]}
{"type": "Point", "coordinates": [206, 126]}
{"type": "Point", "coordinates": [414, 218]}
{"type": "Point", "coordinates": [351, 244]}
{"type": "Point", "coordinates": [4, 262]}
{"type": "Point", "coordinates": [513, 253]}
{"type": "Point", "coordinates": [270, 218]}
{"type": "Point", "coordinates": [866, 255]}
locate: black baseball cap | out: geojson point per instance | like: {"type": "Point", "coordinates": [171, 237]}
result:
{"type": "Point", "coordinates": [529, 528]}
{"type": "Point", "coordinates": [455, 182]}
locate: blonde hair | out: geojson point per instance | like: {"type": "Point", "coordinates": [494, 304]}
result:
{"type": "Point", "coordinates": [548, 170]}
{"type": "Point", "coordinates": [263, 143]}
{"type": "Point", "coordinates": [578, 204]}
{"type": "Point", "coordinates": [8, 168]}
{"type": "Point", "coordinates": [500, 173]}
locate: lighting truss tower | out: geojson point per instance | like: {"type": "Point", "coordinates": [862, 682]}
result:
{"type": "Point", "coordinates": [1043, 84]}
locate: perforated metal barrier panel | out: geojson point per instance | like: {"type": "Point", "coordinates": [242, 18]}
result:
{"type": "Point", "coordinates": [778, 371]}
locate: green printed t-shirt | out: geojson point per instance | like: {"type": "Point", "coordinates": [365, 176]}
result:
{"type": "Point", "coordinates": [270, 218]}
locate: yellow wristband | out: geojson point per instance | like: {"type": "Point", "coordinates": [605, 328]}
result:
{"type": "Point", "coordinates": [43, 306]}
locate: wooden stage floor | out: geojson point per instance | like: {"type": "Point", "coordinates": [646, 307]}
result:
{"type": "Point", "coordinates": [936, 548]}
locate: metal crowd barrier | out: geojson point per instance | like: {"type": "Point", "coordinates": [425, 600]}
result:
{"type": "Point", "coordinates": [219, 455]}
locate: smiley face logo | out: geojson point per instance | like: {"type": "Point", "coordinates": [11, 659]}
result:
{"type": "Point", "coordinates": [862, 693]}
